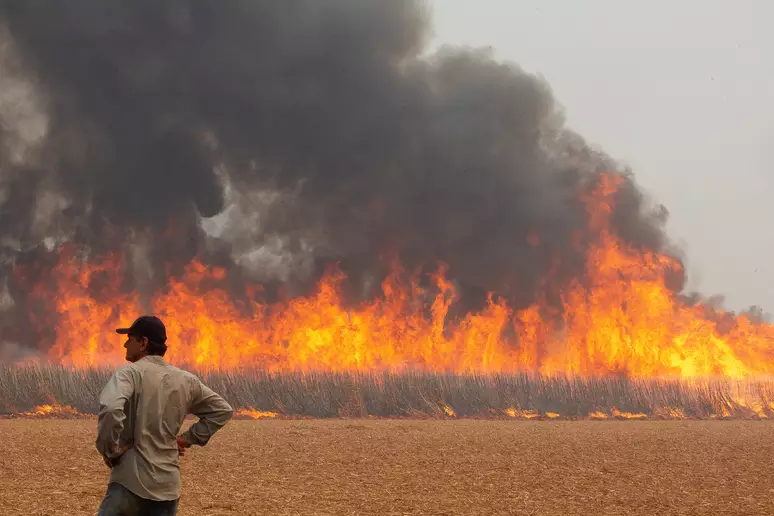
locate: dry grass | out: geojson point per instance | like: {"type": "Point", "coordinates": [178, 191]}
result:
{"type": "Point", "coordinates": [420, 394]}
{"type": "Point", "coordinates": [426, 467]}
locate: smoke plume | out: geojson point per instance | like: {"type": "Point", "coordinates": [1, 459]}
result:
{"type": "Point", "coordinates": [276, 137]}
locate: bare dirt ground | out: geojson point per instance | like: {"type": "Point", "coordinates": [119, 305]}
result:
{"type": "Point", "coordinates": [385, 467]}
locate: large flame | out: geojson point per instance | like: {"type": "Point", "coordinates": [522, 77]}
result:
{"type": "Point", "coordinates": [620, 318]}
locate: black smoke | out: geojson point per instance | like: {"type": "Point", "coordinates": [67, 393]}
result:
{"type": "Point", "coordinates": [372, 149]}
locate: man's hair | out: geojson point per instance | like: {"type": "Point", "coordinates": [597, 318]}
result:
{"type": "Point", "coordinates": [154, 348]}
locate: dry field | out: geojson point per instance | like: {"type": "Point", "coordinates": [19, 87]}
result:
{"type": "Point", "coordinates": [385, 467]}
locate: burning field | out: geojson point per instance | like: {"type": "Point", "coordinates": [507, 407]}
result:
{"type": "Point", "coordinates": [332, 222]}
{"type": "Point", "coordinates": [57, 392]}
{"type": "Point", "coordinates": [621, 344]}
{"type": "Point", "coordinates": [620, 317]}
{"type": "Point", "coordinates": [339, 228]}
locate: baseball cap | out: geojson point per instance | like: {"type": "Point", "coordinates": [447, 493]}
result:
{"type": "Point", "coordinates": [148, 326]}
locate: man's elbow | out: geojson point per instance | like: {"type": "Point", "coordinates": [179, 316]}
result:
{"type": "Point", "coordinates": [228, 413]}
{"type": "Point", "coordinates": [219, 414]}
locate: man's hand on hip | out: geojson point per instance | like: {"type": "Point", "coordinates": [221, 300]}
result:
{"type": "Point", "coordinates": [182, 444]}
{"type": "Point", "coordinates": [116, 458]}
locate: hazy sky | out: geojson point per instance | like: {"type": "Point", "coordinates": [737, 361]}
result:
{"type": "Point", "coordinates": [683, 92]}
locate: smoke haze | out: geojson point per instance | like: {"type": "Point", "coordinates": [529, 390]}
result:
{"type": "Point", "coordinates": [275, 138]}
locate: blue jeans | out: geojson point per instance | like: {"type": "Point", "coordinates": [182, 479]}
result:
{"type": "Point", "coordinates": [119, 501]}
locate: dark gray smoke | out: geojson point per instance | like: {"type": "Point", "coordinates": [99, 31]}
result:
{"type": "Point", "coordinates": [362, 149]}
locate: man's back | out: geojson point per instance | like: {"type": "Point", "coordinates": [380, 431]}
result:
{"type": "Point", "coordinates": [145, 403]}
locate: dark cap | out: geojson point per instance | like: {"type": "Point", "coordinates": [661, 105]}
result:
{"type": "Point", "coordinates": [148, 326]}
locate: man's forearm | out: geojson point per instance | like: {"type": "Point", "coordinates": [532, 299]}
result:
{"type": "Point", "coordinates": [109, 428]}
{"type": "Point", "coordinates": [210, 422]}
{"type": "Point", "coordinates": [110, 421]}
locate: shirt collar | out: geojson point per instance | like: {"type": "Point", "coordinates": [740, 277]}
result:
{"type": "Point", "coordinates": [156, 359]}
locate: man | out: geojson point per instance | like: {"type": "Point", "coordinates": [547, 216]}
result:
{"type": "Point", "coordinates": [141, 411]}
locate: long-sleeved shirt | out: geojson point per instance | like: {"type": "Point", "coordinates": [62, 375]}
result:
{"type": "Point", "coordinates": [145, 403]}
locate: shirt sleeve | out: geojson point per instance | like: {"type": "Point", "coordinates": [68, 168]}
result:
{"type": "Point", "coordinates": [110, 421]}
{"type": "Point", "coordinates": [211, 409]}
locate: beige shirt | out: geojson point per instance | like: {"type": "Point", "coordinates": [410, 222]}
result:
{"type": "Point", "coordinates": [145, 403]}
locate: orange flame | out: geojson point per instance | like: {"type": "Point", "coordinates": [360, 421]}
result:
{"type": "Point", "coordinates": [627, 415]}
{"type": "Point", "coordinates": [254, 414]}
{"type": "Point", "coordinates": [53, 411]}
{"type": "Point", "coordinates": [525, 414]}
{"type": "Point", "coordinates": [620, 318]}
{"type": "Point", "coordinates": [448, 410]}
